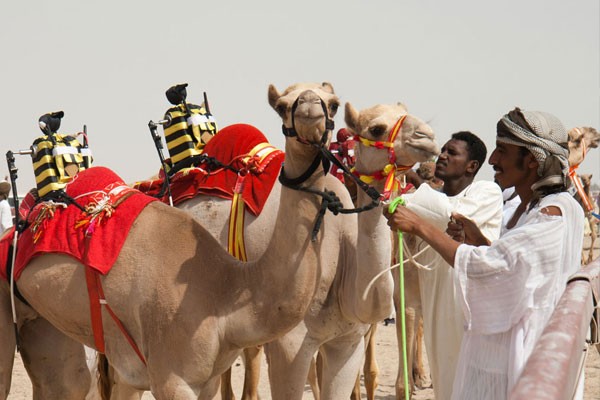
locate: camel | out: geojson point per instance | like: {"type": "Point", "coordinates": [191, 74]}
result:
{"type": "Point", "coordinates": [370, 127]}
{"type": "Point", "coordinates": [591, 220]}
{"type": "Point", "coordinates": [582, 139]}
{"type": "Point", "coordinates": [192, 307]}
{"type": "Point", "coordinates": [339, 316]}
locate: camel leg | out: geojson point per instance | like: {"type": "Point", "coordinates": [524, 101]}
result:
{"type": "Point", "coordinates": [594, 229]}
{"type": "Point", "coordinates": [210, 389]}
{"type": "Point", "coordinates": [226, 388]}
{"type": "Point", "coordinates": [420, 374]}
{"type": "Point", "coordinates": [355, 395]}
{"type": "Point", "coordinates": [252, 374]}
{"type": "Point", "coordinates": [123, 391]}
{"type": "Point", "coordinates": [7, 349]}
{"type": "Point", "coordinates": [313, 380]}
{"type": "Point", "coordinates": [55, 363]}
{"type": "Point", "coordinates": [371, 369]}
{"type": "Point", "coordinates": [289, 359]}
{"type": "Point", "coordinates": [342, 358]}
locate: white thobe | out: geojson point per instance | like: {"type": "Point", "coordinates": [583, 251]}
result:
{"type": "Point", "coordinates": [508, 291]}
{"type": "Point", "coordinates": [443, 319]}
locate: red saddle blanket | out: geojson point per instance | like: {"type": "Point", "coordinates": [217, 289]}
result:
{"type": "Point", "coordinates": [240, 146]}
{"type": "Point", "coordinates": [95, 237]}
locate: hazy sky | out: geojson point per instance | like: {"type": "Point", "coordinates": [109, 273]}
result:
{"type": "Point", "coordinates": [458, 64]}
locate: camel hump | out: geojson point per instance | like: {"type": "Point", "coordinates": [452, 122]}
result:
{"type": "Point", "coordinates": [94, 178]}
{"type": "Point", "coordinates": [234, 140]}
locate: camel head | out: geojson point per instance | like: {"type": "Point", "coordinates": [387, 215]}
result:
{"type": "Point", "coordinates": [415, 141]}
{"type": "Point", "coordinates": [586, 181]}
{"type": "Point", "coordinates": [306, 109]}
{"type": "Point", "coordinates": [580, 141]}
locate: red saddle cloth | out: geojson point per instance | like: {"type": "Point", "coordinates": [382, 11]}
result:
{"type": "Point", "coordinates": [94, 238]}
{"type": "Point", "coordinates": [233, 146]}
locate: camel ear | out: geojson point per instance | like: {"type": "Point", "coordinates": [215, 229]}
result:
{"type": "Point", "coordinates": [273, 96]}
{"type": "Point", "coordinates": [328, 87]}
{"type": "Point", "coordinates": [596, 137]}
{"type": "Point", "coordinates": [351, 118]}
{"type": "Point", "coordinates": [403, 106]}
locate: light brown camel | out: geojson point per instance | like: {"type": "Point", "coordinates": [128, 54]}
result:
{"type": "Point", "coordinates": [55, 363]}
{"type": "Point", "coordinates": [371, 127]}
{"type": "Point", "coordinates": [192, 307]}
{"type": "Point", "coordinates": [339, 316]}
{"type": "Point", "coordinates": [581, 140]}
{"type": "Point", "coordinates": [592, 222]}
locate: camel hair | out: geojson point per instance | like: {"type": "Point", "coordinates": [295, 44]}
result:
{"type": "Point", "coordinates": [55, 363]}
{"type": "Point", "coordinates": [193, 307]}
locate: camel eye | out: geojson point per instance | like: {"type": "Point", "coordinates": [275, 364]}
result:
{"type": "Point", "coordinates": [377, 130]}
{"type": "Point", "coordinates": [334, 107]}
{"type": "Point", "coordinates": [420, 134]}
{"type": "Point", "coordinates": [281, 108]}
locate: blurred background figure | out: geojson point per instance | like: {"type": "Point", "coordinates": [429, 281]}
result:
{"type": "Point", "coordinates": [6, 219]}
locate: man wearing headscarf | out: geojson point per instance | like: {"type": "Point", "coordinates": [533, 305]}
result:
{"type": "Point", "coordinates": [509, 288]}
{"type": "Point", "coordinates": [5, 213]}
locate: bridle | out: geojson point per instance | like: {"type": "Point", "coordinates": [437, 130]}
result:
{"type": "Point", "coordinates": [390, 171]}
{"type": "Point", "coordinates": [330, 201]}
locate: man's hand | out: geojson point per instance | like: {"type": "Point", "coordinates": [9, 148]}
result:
{"type": "Point", "coordinates": [402, 219]}
{"type": "Point", "coordinates": [464, 230]}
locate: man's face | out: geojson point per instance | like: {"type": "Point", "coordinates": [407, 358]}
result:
{"type": "Point", "coordinates": [511, 164]}
{"type": "Point", "coordinates": [453, 162]}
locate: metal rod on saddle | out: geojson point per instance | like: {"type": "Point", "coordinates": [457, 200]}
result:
{"type": "Point", "coordinates": [159, 147]}
{"type": "Point", "coordinates": [12, 170]}
{"type": "Point", "coordinates": [85, 150]}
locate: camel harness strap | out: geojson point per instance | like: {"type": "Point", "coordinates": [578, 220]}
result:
{"type": "Point", "coordinates": [97, 299]}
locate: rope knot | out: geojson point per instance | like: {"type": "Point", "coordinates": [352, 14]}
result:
{"type": "Point", "coordinates": [334, 204]}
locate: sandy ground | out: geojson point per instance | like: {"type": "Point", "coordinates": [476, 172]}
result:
{"type": "Point", "coordinates": [387, 358]}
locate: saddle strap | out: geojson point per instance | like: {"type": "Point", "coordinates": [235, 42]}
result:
{"type": "Point", "coordinates": [236, 244]}
{"type": "Point", "coordinates": [97, 299]}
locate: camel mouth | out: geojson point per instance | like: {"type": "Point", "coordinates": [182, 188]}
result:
{"type": "Point", "coordinates": [309, 120]}
{"type": "Point", "coordinates": [424, 148]}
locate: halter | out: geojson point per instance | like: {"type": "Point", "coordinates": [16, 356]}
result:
{"type": "Point", "coordinates": [390, 171]}
{"type": "Point", "coordinates": [291, 132]}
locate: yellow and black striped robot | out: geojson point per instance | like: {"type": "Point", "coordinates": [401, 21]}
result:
{"type": "Point", "coordinates": [57, 157]}
{"type": "Point", "coordinates": [189, 126]}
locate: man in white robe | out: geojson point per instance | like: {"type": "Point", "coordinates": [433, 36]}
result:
{"type": "Point", "coordinates": [509, 289]}
{"type": "Point", "coordinates": [443, 321]}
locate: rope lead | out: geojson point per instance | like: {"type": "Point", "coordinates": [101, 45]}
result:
{"type": "Point", "coordinates": [392, 207]}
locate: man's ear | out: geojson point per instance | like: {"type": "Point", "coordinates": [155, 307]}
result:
{"type": "Point", "coordinates": [531, 162]}
{"type": "Point", "coordinates": [472, 166]}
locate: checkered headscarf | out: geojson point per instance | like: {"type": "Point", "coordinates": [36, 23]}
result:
{"type": "Point", "coordinates": [545, 137]}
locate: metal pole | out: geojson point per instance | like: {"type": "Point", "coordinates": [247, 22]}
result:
{"type": "Point", "coordinates": [158, 144]}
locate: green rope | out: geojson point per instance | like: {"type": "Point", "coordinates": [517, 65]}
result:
{"type": "Point", "coordinates": [392, 207]}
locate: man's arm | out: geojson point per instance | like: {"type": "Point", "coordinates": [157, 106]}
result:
{"type": "Point", "coordinates": [464, 230]}
{"type": "Point", "coordinates": [408, 222]}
